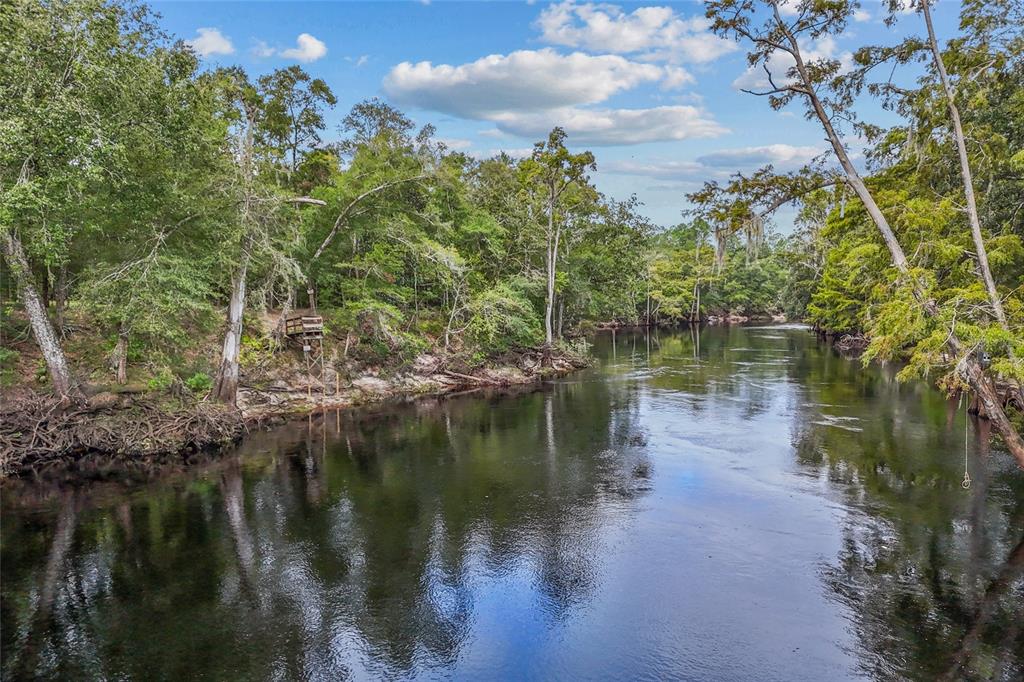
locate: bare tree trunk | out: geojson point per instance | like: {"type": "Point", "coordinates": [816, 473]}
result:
{"type": "Point", "coordinates": [968, 365]}
{"type": "Point", "coordinates": [965, 172]}
{"type": "Point", "coordinates": [64, 383]}
{"type": "Point", "coordinates": [551, 259]}
{"type": "Point", "coordinates": [226, 388]}
{"type": "Point", "coordinates": [119, 358]}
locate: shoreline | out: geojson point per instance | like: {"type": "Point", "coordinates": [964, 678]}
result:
{"type": "Point", "coordinates": [117, 433]}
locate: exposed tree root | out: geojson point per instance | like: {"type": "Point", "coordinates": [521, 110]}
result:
{"type": "Point", "coordinates": [38, 433]}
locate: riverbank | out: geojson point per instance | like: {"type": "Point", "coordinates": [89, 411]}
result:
{"type": "Point", "coordinates": [715, 318]}
{"type": "Point", "coordinates": [127, 428]}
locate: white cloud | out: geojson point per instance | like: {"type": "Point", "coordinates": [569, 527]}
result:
{"type": "Point", "coordinates": [676, 77]}
{"type": "Point", "coordinates": [514, 152]}
{"type": "Point", "coordinates": [861, 15]}
{"type": "Point", "coordinates": [754, 78]}
{"type": "Point", "coordinates": [307, 49]}
{"type": "Point", "coordinates": [669, 170]}
{"type": "Point", "coordinates": [211, 41]}
{"type": "Point", "coordinates": [600, 127]}
{"type": "Point", "coordinates": [655, 33]}
{"type": "Point", "coordinates": [456, 144]}
{"type": "Point", "coordinates": [528, 92]}
{"type": "Point", "coordinates": [262, 49]}
{"type": "Point", "coordinates": [717, 165]}
{"type": "Point", "coordinates": [783, 156]}
{"type": "Point", "coordinates": [525, 80]}
{"type": "Point", "coordinates": [789, 8]}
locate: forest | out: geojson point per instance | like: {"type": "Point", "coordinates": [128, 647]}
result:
{"type": "Point", "coordinates": [160, 221]}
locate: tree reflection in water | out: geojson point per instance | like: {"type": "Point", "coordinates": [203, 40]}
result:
{"type": "Point", "coordinates": [931, 573]}
{"type": "Point", "coordinates": [341, 543]}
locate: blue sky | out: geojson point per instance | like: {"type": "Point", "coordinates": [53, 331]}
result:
{"type": "Point", "coordinates": [644, 85]}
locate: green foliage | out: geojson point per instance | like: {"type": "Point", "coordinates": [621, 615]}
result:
{"type": "Point", "coordinates": [199, 383]}
{"type": "Point", "coordinates": [8, 361]}
{"type": "Point", "coordinates": [501, 319]}
{"type": "Point", "coordinates": [162, 380]}
{"type": "Point", "coordinates": [255, 351]}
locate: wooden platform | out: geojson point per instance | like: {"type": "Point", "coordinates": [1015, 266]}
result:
{"type": "Point", "coordinates": [305, 327]}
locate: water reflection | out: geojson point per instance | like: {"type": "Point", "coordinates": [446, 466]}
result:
{"type": "Point", "coordinates": [336, 543]}
{"type": "Point", "coordinates": [737, 503]}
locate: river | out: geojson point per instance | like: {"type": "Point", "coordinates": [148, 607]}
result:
{"type": "Point", "coordinates": [738, 504]}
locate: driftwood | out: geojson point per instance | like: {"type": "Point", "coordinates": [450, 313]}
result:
{"type": "Point", "coordinates": [468, 377]}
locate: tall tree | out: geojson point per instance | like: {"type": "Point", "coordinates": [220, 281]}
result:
{"type": "Point", "coordinates": [557, 171]}
{"type": "Point", "coordinates": [247, 105]}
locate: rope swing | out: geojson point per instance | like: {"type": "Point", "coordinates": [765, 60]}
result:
{"type": "Point", "coordinates": [966, 483]}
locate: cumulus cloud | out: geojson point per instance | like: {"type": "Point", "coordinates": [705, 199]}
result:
{"type": "Point", "coordinates": [655, 33]}
{"type": "Point", "coordinates": [210, 41]}
{"type": "Point", "coordinates": [601, 127]}
{"type": "Point", "coordinates": [861, 15]}
{"type": "Point", "coordinates": [754, 78]}
{"type": "Point", "coordinates": [528, 91]}
{"type": "Point", "coordinates": [514, 152]}
{"type": "Point", "coordinates": [719, 164]}
{"type": "Point", "coordinates": [525, 80]}
{"type": "Point", "coordinates": [307, 49]}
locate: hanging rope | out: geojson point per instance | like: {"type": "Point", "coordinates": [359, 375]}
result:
{"type": "Point", "coordinates": [966, 483]}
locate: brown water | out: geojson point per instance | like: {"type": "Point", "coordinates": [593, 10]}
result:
{"type": "Point", "coordinates": [739, 505]}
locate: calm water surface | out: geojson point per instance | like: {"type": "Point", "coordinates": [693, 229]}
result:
{"type": "Point", "coordinates": [742, 504]}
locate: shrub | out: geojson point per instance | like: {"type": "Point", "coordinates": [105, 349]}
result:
{"type": "Point", "coordinates": [8, 359]}
{"type": "Point", "coordinates": [161, 381]}
{"type": "Point", "coordinates": [199, 383]}
{"type": "Point", "coordinates": [502, 318]}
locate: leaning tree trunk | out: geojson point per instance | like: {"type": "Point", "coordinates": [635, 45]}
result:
{"type": "Point", "coordinates": [64, 383]}
{"type": "Point", "coordinates": [968, 366]}
{"type": "Point", "coordinates": [968, 179]}
{"type": "Point", "coordinates": [965, 172]}
{"type": "Point", "coordinates": [226, 388]}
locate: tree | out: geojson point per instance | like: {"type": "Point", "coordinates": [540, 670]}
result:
{"type": "Point", "coordinates": [819, 85]}
{"type": "Point", "coordinates": [246, 106]}
{"type": "Point", "coordinates": [564, 189]}
{"type": "Point", "coordinates": [69, 110]}
{"type": "Point", "coordinates": [293, 112]}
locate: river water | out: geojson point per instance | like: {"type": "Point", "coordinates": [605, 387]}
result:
{"type": "Point", "coordinates": [738, 504]}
